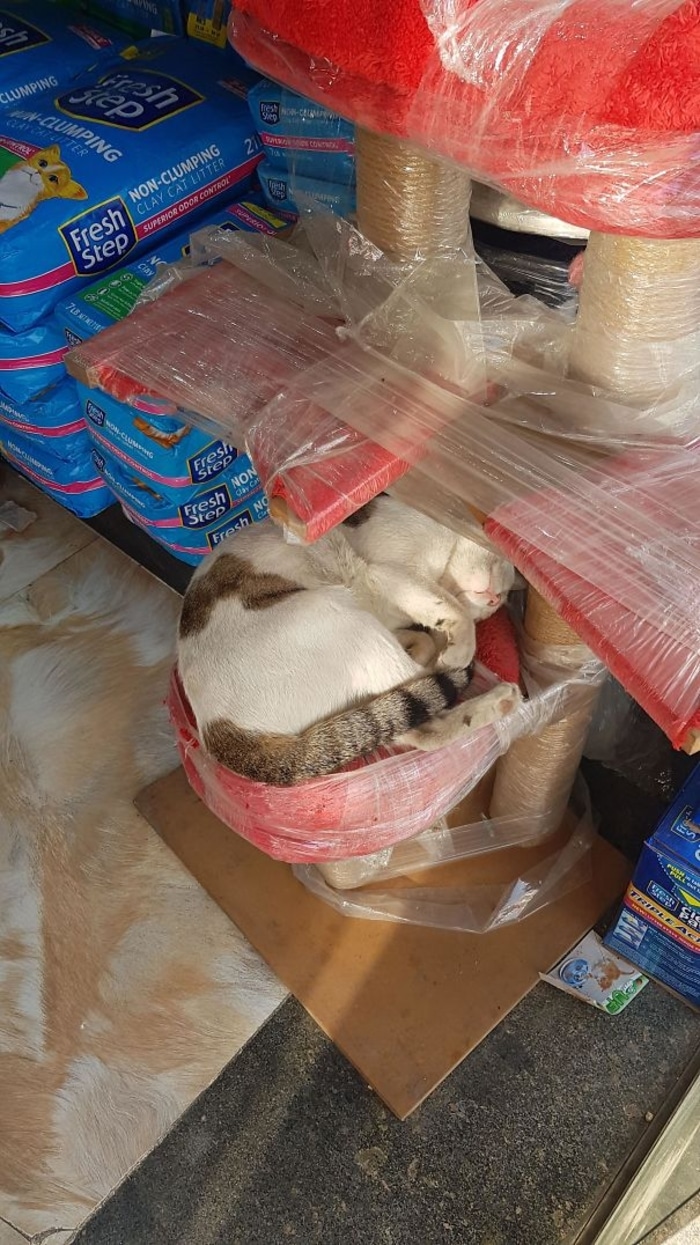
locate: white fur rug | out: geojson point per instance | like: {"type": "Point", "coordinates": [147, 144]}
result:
{"type": "Point", "coordinates": [123, 989]}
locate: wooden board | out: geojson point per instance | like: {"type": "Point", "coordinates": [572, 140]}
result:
{"type": "Point", "coordinates": [403, 1003]}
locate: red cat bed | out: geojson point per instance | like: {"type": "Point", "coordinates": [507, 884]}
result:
{"type": "Point", "coordinates": [589, 111]}
{"type": "Point", "coordinates": [371, 805]}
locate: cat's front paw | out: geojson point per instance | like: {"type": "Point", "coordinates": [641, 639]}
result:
{"type": "Point", "coordinates": [460, 650]}
{"type": "Point", "coordinates": [419, 645]}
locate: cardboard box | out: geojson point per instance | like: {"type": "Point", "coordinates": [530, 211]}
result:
{"type": "Point", "coordinates": [658, 927]}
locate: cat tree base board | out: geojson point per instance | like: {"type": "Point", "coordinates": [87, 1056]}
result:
{"type": "Point", "coordinates": [404, 1004]}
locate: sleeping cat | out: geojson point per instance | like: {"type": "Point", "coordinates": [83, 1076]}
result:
{"type": "Point", "coordinates": [289, 658]}
{"type": "Point", "coordinates": [27, 183]}
{"type": "Point", "coordinates": [475, 575]}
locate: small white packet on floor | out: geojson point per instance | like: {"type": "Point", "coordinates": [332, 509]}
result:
{"type": "Point", "coordinates": [14, 518]}
{"type": "Point", "coordinates": [596, 975]}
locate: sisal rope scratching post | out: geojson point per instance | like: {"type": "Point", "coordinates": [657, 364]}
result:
{"type": "Point", "coordinates": [638, 326]}
{"type": "Point", "coordinates": [408, 204]}
{"type": "Point", "coordinates": [637, 332]}
{"type": "Point", "coordinates": [537, 773]}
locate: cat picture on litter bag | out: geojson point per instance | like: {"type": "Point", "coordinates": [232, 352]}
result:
{"type": "Point", "coordinates": [27, 183]}
{"type": "Point", "coordinates": [128, 153]}
{"type": "Point", "coordinates": [168, 439]}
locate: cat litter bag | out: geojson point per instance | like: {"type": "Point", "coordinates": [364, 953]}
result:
{"type": "Point", "coordinates": [53, 421]}
{"type": "Point", "coordinates": [121, 159]}
{"type": "Point", "coordinates": [71, 480]}
{"type": "Point", "coordinates": [280, 189]}
{"type": "Point", "coordinates": [150, 441]}
{"type": "Point", "coordinates": [301, 135]}
{"type": "Point", "coordinates": [191, 528]}
{"type": "Point", "coordinates": [31, 362]}
{"type": "Point", "coordinates": [89, 310]}
{"type": "Point", "coordinates": [43, 47]}
{"type": "Point", "coordinates": [139, 18]}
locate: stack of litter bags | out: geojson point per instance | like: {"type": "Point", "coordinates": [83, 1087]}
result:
{"type": "Point", "coordinates": [187, 486]}
{"type": "Point", "coordinates": [309, 152]}
{"type": "Point", "coordinates": [116, 160]}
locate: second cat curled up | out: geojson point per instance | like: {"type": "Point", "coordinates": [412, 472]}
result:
{"type": "Point", "coordinates": [294, 658]}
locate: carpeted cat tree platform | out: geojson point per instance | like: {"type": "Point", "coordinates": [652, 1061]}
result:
{"type": "Point", "coordinates": [589, 112]}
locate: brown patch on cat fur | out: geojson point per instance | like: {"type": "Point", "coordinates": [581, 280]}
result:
{"type": "Point", "coordinates": [229, 576]}
{"type": "Point", "coordinates": [325, 746]}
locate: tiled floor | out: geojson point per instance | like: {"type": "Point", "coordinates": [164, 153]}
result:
{"type": "Point", "coordinates": [123, 989]}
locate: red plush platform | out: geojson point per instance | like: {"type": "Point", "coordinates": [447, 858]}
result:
{"type": "Point", "coordinates": [589, 111]}
{"type": "Point", "coordinates": [646, 626]}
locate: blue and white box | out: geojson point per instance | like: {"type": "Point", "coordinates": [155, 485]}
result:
{"type": "Point", "coordinates": [658, 927]}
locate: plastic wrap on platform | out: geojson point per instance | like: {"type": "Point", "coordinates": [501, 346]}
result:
{"type": "Point", "coordinates": [346, 372]}
{"type": "Point", "coordinates": [587, 112]}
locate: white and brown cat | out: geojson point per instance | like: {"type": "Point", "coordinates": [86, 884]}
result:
{"type": "Point", "coordinates": [29, 182]}
{"type": "Point", "coordinates": [290, 655]}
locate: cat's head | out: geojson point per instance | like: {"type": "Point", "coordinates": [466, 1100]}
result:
{"type": "Point", "coordinates": [53, 175]}
{"type": "Point", "coordinates": [479, 578]}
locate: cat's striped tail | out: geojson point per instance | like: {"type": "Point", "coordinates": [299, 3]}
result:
{"type": "Point", "coordinates": [328, 745]}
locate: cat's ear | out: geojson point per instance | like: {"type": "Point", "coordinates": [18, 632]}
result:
{"type": "Point", "coordinates": [74, 191]}
{"type": "Point", "coordinates": [52, 154]}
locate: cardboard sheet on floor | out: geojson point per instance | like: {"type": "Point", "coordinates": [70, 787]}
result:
{"type": "Point", "coordinates": [404, 1004]}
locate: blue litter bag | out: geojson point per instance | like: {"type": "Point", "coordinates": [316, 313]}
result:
{"type": "Point", "coordinates": [138, 17]}
{"type": "Point", "coordinates": [190, 529]}
{"type": "Point", "coordinates": [96, 307]}
{"type": "Point", "coordinates": [279, 187]}
{"type": "Point", "coordinates": [300, 134]}
{"type": "Point", "coordinates": [53, 421]}
{"type": "Point", "coordinates": [43, 47]}
{"type": "Point", "coordinates": [174, 458]}
{"type": "Point", "coordinates": [122, 158]}
{"type": "Point", "coordinates": [31, 362]}
{"type": "Point", "coordinates": [72, 481]}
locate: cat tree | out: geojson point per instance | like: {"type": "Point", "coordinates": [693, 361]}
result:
{"type": "Point", "coordinates": [587, 112]}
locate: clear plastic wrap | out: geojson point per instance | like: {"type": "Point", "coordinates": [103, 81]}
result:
{"type": "Point", "coordinates": [377, 804]}
{"type": "Point", "coordinates": [584, 111]}
{"type": "Point", "coordinates": [345, 370]}
{"type": "Point", "coordinates": [549, 280]}
{"type": "Point", "coordinates": [473, 905]}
